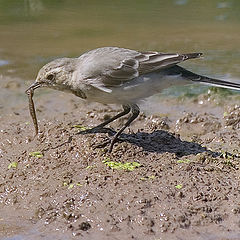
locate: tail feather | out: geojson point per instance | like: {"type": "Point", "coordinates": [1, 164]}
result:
{"type": "Point", "coordinates": [202, 79]}
{"type": "Point", "coordinates": [220, 83]}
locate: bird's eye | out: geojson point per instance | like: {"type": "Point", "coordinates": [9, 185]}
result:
{"type": "Point", "coordinates": [50, 77]}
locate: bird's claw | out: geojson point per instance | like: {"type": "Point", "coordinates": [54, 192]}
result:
{"type": "Point", "coordinates": [110, 142]}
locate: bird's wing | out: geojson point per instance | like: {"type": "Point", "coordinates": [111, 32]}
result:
{"type": "Point", "coordinates": [116, 66]}
{"type": "Point", "coordinates": [154, 61]}
{"type": "Point", "coordinates": [140, 64]}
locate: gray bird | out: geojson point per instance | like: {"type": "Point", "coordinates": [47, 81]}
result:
{"type": "Point", "coordinates": [112, 75]}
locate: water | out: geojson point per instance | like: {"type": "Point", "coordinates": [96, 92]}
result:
{"type": "Point", "coordinates": [33, 32]}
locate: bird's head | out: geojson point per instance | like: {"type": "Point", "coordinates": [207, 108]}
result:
{"type": "Point", "coordinates": [55, 74]}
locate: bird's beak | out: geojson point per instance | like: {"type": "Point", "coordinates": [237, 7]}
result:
{"type": "Point", "coordinates": [34, 86]}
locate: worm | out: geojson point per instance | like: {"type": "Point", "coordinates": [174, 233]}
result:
{"type": "Point", "coordinates": [32, 109]}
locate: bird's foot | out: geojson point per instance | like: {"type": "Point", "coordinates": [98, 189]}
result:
{"type": "Point", "coordinates": [110, 141]}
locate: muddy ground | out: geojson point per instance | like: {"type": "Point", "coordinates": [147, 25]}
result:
{"type": "Point", "coordinates": [186, 184]}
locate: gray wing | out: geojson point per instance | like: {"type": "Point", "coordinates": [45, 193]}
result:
{"type": "Point", "coordinates": [116, 66]}
{"type": "Point", "coordinates": [143, 63]}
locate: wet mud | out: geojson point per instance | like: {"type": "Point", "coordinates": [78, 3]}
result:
{"type": "Point", "coordinates": [181, 180]}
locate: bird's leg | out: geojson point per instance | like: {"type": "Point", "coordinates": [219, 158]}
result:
{"type": "Point", "coordinates": [126, 110]}
{"type": "Point", "coordinates": [135, 112]}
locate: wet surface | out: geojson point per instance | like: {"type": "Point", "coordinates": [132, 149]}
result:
{"type": "Point", "coordinates": [187, 181]}
{"type": "Point", "coordinates": [33, 32]}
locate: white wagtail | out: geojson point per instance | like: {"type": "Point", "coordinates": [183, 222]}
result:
{"type": "Point", "coordinates": [113, 75]}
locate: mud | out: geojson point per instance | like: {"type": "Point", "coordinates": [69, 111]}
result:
{"type": "Point", "coordinates": [186, 187]}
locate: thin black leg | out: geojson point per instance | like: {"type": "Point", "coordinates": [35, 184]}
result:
{"type": "Point", "coordinates": [135, 112]}
{"type": "Point", "coordinates": [126, 110]}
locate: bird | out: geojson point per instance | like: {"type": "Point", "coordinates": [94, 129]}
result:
{"type": "Point", "coordinates": [114, 75]}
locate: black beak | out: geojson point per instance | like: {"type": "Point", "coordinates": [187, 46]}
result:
{"type": "Point", "coordinates": [34, 86]}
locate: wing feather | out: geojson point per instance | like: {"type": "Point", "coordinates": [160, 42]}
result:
{"type": "Point", "coordinates": [123, 65]}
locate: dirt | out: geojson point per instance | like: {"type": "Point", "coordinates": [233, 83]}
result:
{"type": "Point", "coordinates": [186, 185]}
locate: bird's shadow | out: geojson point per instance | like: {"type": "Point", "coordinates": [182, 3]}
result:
{"type": "Point", "coordinates": [159, 141]}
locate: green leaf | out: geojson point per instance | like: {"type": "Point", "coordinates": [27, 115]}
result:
{"type": "Point", "coordinates": [12, 165]}
{"type": "Point", "coordinates": [71, 186]}
{"type": "Point", "coordinates": [225, 114]}
{"type": "Point", "coordinates": [151, 177]}
{"type": "Point", "coordinates": [36, 154]}
{"type": "Point", "coordinates": [129, 166]}
{"type": "Point", "coordinates": [184, 161]}
{"type": "Point", "coordinates": [89, 167]}
{"type": "Point", "coordinates": [80, 127]}
{"type": "Point", "coordinates": [179, 186]}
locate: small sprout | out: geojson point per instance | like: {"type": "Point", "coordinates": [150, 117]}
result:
{"type": "Point", "coordinates": [225, 114]}
{"type": "Point", "coordinates": [179, 186]}
{"type": "Point", "coordinates": [151, 177]}
{"type": "Point", "coordinates": [129, 166]}
{"type": "Point", "coordinates": [89, 167]}
{"type": "Point", "coordinates": [148, 178]}
{"type": "Point", "coordinates": [71, 185]}
{"type": "Point", "coordinates": [12, 165]}
{"type": "Point", "coordinates": [184, 161]}
{"type": "Point", "coordinates": [36, 154]}
{"type": "Point", "coordinates": [82, 128]}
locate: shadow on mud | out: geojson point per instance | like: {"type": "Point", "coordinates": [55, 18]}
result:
{"type": "Point", "coordinates": [158, 141]}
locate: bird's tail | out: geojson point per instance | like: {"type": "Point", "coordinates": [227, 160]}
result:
{"type": "Point", "coordinates": [206, 80]}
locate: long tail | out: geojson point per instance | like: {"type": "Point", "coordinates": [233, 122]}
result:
{"type": "Point", "coordinates": [202, 79]}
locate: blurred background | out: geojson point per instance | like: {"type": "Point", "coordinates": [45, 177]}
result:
{"type": "Point", "coordinates": [33, 32]}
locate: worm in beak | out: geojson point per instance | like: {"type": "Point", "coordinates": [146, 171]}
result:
{"type": "Point", "coordinates": [32, 111]}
